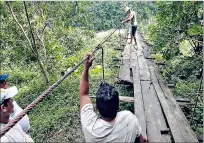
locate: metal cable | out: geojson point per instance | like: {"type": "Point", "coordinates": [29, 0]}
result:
{"type": "Point", "coordinates": [12, 122]}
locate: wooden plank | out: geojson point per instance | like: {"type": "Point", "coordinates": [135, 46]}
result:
{"type": "Point", "coordinates": [133, 58]}
{"type": "Point", "coordinates": [153, 133]}
{"type": "Point", "coordinates": [124, 72]}
{"type": "Point", "coordinates": [187, 132]}
{"type": "Point", "coordinates": [146, 51]}
{"type": "Point", "coordinates": [126, 52]}
{"type": "Point", "coordinates": [171, 85]}
{"type": "Point", "coordinates": [144, 71]}
{"type": "Point", "coordinates": [172, 122]}
{"type": "Point", "coordinates": [154, 115]}
{"type": "Point", "coordinates": [186, 103]}
{"type": "Point", "coordinates": [138, 104]}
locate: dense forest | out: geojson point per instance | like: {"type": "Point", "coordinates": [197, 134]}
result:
{"type": "Point", "coordinates": [41, 40]}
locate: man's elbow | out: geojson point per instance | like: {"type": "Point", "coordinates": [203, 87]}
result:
{"type": "Point", "coordinates": [141, 139]}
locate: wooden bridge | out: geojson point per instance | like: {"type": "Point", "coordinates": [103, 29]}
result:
{"type": "Point", "coordinates": [159, 114]}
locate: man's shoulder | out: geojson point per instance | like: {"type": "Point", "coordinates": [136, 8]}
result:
{"type": "Point", "coordinates": [125, 113]}
{"type": "Point", "coordinates": [133, 12]}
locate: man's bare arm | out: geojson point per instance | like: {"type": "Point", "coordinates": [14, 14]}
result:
{"type": "Point", "coordinates": [84, 83]}
{"type": "Point", "coordinates": [128, 18]}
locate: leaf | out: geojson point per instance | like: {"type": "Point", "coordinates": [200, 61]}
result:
{"type": "Point", "coordinates": [185, 47]}
{"type": "Point", "coordinates": [195, 30]}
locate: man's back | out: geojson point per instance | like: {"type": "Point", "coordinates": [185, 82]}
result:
{"type": "Point", "coordinates": [134, 19]}
{"type": "Point", "coordinates": [125, 127]}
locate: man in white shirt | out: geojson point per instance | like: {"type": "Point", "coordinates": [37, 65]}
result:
{"type": "Point", "coordinates": [131, 16]}
{"type": "Point", "coordinates": [15, 134]}
{"type": "Point", "coordinates": [111, 125]}
{"type": "Point", "coordinates": [24, 122]}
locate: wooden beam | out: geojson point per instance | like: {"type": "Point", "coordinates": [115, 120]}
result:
{"type": "Point", "coordinates": [122, 98]}
{"type": "Point", "coordinates": [182, 122]}
{"type": "Point", "coordinates": [171, 85]}
{"type": "Point", "coordinates": [182, 99]}
{"type": "Point", "coordinates": [116, 59]}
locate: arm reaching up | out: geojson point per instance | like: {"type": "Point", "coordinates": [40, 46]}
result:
{"type": "Point", "coordinates": [84, 83]}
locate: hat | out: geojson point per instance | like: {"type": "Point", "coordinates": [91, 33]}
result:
{"type": "Point", "coordinates": [8, 93]}
{"type": "Point", "coordinates": [126, 9]}
{"type": "Point", "coordinates": [3, 76]}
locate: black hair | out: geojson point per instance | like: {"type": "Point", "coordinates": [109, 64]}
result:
{"type": "Point", "coordinates": [5, 102]}
{"type": "Point", "coordinates": [107, 101]}
{"type": "Point", "coordinates": [2, 81]}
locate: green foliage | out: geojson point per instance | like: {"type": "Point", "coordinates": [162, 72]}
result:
{"type": "Point", "coordinates": [158, 58]}
{"type": "Point", "coordinates": [175, 33]}
{"type": "Point", "coordinates": [107, 15]}
{"type": "Point", "coordinates": [185, 48]}
{"type": "Point", "coordinates": [195, 30]}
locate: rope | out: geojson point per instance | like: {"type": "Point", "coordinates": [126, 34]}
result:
{"type": "Point", "coordinates": [103, 64]}
{"type": "Point", "coordinates": [12, 122]}
{"type": "Point", "coordinates": [198, 93]}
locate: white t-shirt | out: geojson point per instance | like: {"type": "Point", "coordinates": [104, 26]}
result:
{"type": "Point", "coordinates": [134, 19]}
{"type": "Point", "coordinates": [24, 122]}
{"type": "Point", "coordinates": [125, 127]}
{"type": "Point", "coordinates": [15, 134]}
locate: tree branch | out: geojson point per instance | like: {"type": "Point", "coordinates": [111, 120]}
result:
{"type": "Point", "coordinates": [35, 48]}
{"type": "Point", "coordinates": [15, 19]}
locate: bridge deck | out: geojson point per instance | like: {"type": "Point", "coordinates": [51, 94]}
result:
{"type": "Point", "coordinates": [160, 116]}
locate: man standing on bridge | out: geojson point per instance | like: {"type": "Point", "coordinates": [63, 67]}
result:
{"type": "Point", "coordinates": [131, 16]}
{"type": "Point", "coordinates": [111, 125]}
